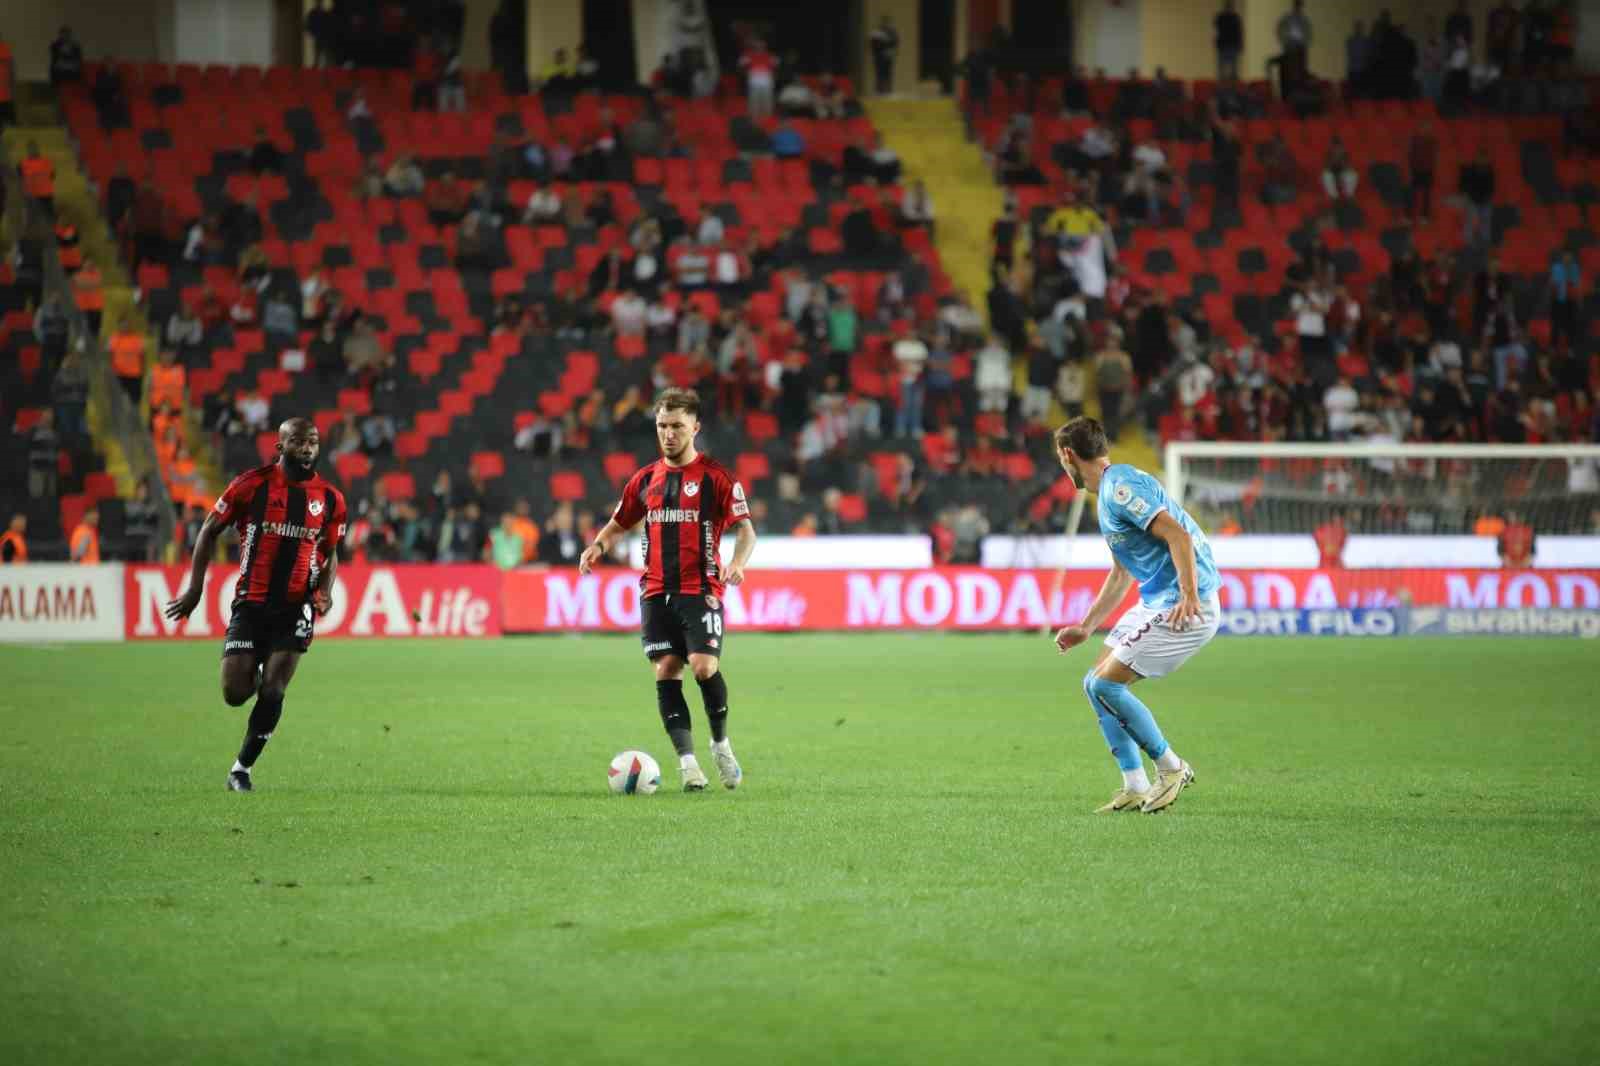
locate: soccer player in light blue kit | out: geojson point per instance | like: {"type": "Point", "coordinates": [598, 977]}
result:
{"type": "Point", "coordinates": [1155, 543]}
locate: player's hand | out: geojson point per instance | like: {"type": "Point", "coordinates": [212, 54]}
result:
{"type": "Point", "coordinates": [590, 559]}
{"type": "Point", "coordinates": [182, 607]}
{"type": "Point", "coordinates": [1186, 612]}
{"type": "Point", "coordinates": [1069, 637]}
{"type": "Point", "coordinates": [734, 575]}
{"type": "Point", "coordinates": [322, 602]}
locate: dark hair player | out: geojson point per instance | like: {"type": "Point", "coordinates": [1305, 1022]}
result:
{"type": "Point", "coordinates": [290, 523]}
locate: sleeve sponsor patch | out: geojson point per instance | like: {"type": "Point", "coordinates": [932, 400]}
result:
{"type": "Point", "coordinates": [1139, 508]}
{"type": "Point", "coordinates": [222, 505]}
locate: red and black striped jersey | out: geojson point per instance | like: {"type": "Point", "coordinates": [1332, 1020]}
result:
{"type": "Point", "coordinates": [287, 532]}
{"type": "Point", "coordinates": [685, 510]}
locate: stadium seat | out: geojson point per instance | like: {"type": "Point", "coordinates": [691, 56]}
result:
{"type": "Point", "coordinates": [398, 485]}
{"type": "Point", "coordinates": [619, 467]}
{"type": "Point", "coordinates": [488, 465]}
{"type": "Point", "coordinates": [852, 508]}
{"type": "Point", "coordinates": [566, 485]}
{"type": "Point", "coordinates": [352, 466]}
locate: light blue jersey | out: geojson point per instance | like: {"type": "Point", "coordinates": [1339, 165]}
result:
{"type": "Point", "coordinates": [1129, 501]}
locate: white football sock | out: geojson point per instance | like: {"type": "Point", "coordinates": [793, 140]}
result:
{"type": "Point", "coordinates": [722, 747]}
{"type": "Point", "coordinates": [1169, 761]}
{"type": "Point", "coordinates": [1135, 780]}
{"type": "Point", "coordinates": [239, 768]}
{"type": "Point", "coordinates": [688, 762]}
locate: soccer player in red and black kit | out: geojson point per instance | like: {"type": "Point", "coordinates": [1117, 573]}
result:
{"type": "Point", "coordinates": [290, 524]}
{"type": "Point", "coordinates": [686, 502]}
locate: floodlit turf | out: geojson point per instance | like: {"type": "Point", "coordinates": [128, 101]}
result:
{"type": "Point", "coordinates": [1390, 857]}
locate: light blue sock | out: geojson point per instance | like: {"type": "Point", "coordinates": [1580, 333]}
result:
{"type": "Point", "coordinates": [1122, 746]}
{"type": "Point", "coordinates": [1129, 711]}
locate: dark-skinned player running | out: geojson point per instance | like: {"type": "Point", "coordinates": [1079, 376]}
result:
{"type": "Point", "coordinates": [290, 524]}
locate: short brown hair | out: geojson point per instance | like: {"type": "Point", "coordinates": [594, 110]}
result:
{"type": "Point", "coordinates": [685, 400]}
{"type": "Point", "coordinates": [1085, 436]}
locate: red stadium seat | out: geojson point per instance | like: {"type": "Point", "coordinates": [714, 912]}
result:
{"type": "Point", "coordinates": [352, 465]}
{"type": "Point", "coordinates": [852, 508]}
{"type": "Point", "coordinates": [566, 485]}
{"type": "Point", "coordinates": [398, 485]}
{"type": "Point", "coordinates": [488, 464]}
{"type": "Point", "coordinates": [619, 467]}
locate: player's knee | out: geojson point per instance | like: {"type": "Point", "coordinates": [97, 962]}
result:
{"type": "Point", "coordinates": [237, 695]}
{"type": "Point", "coordinates": [1097, 688]}
{"type": "Point", "coordinates": [273, 689]}
{"type": "Point", "coordinates": [669, 668]}
{"type": "Point", "coordinates": [704, 666]}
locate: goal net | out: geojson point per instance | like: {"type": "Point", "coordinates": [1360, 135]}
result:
{"type": "Point", "coordinates": [1403, 502]}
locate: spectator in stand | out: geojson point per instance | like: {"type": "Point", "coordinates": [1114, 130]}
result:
{"type": "Point", "coordinates": [39, 178]}
{"type": "Point", "coordinates": [126, 347]}
{"type": "Point", "coordinates": [140, 521]}
{"type": "Point", "coordinates": [66, 58]}
{"type": "Point", "coordinates": [362, 351]}
{"type": "Point", "coordinates": [1477, 189]}
{"type": "Point", "coordinates": [628, 314]}
{"type": "Point", "coordinates": [560, 544]}
{"type": "Point", "coordinates": [404, 177]}
{"type": "Point", "coordinates": [543, 207]}
{"type": "Point", "coordinates": [452, 92]}
{"type": "Point", "coordinates": [120, 194]}
{"type": "Point", "coordinates": [1423, 158]}
{"type": "Point", "coordinates": [1229, 40]}
{"type": "Point", "coordinates": [1358, 62]}
{"type": "Point", "coordinates": [1516, 542]}
{"type": "Point", "coordinates": [14, 544]}
{"type": "Point", "coordinates": [168, 383]}
{"type": "Point", "coordinates": [884, 42]}
{"type": "Point", "coordinates": [1294, 42]}
{"type": "Point", "coordinates": [51, 329]}
{"type": "Point", "coordinates": [1331, 537]}
{"type": "Point", "coordinates": [85, 542]}
{"type": "Point", "coordinates": [843, 332]}
{"type": "Point", "coordinates": [1339, 177]}
{"type": "Point", "coordinates": [1566, 296]}
{"type": "Point", "coordinates": [916, 207]}
{"type": "Point", "coordinates": [911, 356]}
{"type": "Point", "coordinates": [44, 454]}
{"type": "Point", "coordinates": [1341, 404]}
{"type": "Point", "coordinates": [69, 396]}
{"type": "Point", "coordinates": [447, 199]}
{"type": "Point", "coordinates": [1113, 378]}
{"type": "Point", "coordinates": [1043, 367]}
{"type": "Point", "coordinates": [1502, 335]}
{"type": "Point", "coordinates": [760, 68]}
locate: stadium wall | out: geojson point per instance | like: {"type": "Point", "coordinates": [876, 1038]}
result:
{"type": "Point", "coordinates": [44, 604]}
{"type": "Point", "coordinates": [136, 31]}
{"type": "Point", "coordinates": [1176, 34]}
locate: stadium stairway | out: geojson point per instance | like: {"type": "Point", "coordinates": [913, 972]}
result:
{"type": "Point", "coordinates": [75, 199]}
{"type": "Point", "coordinates": [931, 139]}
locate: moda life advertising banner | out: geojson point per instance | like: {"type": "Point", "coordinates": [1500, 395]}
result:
{"type": "Point", "coordinates": [57, 603]}
{"type": "Point", "coordinates": [977, 599]}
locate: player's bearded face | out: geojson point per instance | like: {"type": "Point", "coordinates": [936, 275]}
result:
{"type": "Point", "coordinates": [301, 452]}
{"type": "Point", "coordinates": [675, 432]}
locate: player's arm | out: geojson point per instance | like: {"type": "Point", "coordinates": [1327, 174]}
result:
{"type": "Point", "coordinates": [1112, 592]}
{"type": "Point", "coordinates": [332, 537]}
{"type": "Point", "coordinates": [1181, 545]}
{"type": "Point", "coordinates": [607, 538]}
{"type": "Point", "coordinates": [205, 546]}
{"type": "Point", "coordinates": [744, 543]}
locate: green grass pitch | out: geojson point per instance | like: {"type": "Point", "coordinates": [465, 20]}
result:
{"type": "Point", "coordinates": [1391, 855]}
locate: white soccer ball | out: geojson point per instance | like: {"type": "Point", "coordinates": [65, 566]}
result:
{"type": "Point", "coordinates": [634, 773]}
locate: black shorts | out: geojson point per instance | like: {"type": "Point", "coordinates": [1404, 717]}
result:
{"type": "Point", "coordinates": [258, 630]}
{"type": "Point", "coordinates": [681, 625]}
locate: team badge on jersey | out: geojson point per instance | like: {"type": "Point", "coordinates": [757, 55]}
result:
{"type": "Point", "coordinates": [315, 507]}
{"type": "Point", "coordinates": [740, 508]}
{"type": "Point", "coordinates": [692, 489]}
{"type": "Point", "coordinates": [1122, 494]}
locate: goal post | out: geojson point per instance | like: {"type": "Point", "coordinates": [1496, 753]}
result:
{"type": "Point", "coordinates": [1387, 488]}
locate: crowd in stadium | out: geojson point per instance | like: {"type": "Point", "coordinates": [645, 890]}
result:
{"type": "Point", "coordinates": [830, 347]}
